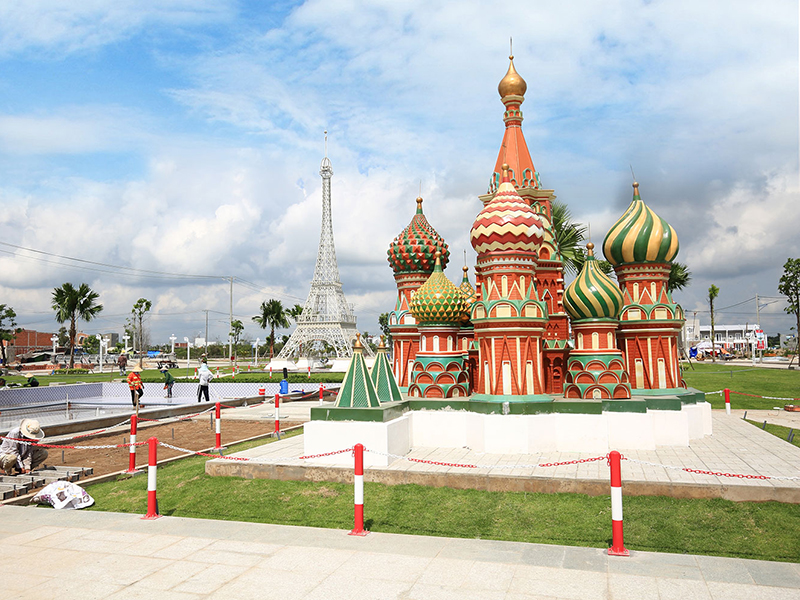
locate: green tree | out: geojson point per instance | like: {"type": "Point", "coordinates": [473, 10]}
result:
{"type": "Point", "coordinates": [63, 336]}
{"type": "Point", "coordinates": [679, 276]}
{"type": "Point", "coordinates": [139, 310]}
{"type": "Point", "coordinates": [237, 327]}
{"type": "Point", "coordinates": [383, 323]}
{"type": "Point", "coordinates": [789, 286]}
{"type": "Point", "coordinates": [272, 315]}
{"type": "Point", "coordinates": [72, 304]}
{"type": "Point", "coordinates": [8, 329]}
{"type": "Point", "coordinates": [569, 236]}
{"type": "Point", "coordinates": [91, 344]}
{"type": "Point", "coordinates": [713, 292]}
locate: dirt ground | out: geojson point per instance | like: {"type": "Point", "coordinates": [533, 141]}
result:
{"type": "Point", "coordinates": [195, 434]}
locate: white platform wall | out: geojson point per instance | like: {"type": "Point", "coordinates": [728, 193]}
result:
{"type": "Point", "coordinates": [508, 434]}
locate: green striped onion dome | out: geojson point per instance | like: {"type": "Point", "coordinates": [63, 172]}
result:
{"type": "Point", "coordinates": [437, 301]}
{"type": "Point", "coordinates": [640, 236]}
{"type": "Point", "coordinates": [468, 292]}
{"type": "Point", "coordinates": [414, 249]}
{"type": "Point", "coordinates": [593, 294]}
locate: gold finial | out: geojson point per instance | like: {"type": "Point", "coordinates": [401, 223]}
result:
{"type": "Point", "coordinates": [383, 343]}
{"type": "Point", "coordinates": [357, 343]}
{"type": "Point", "coordinates": [505, 176]}
{"type": "Point", "coordinates": [590, 249]}
{"type": "Point", "coordinates": [512, 84]}
{"type": "Point", "coordinates": [465, 268]}
{"type": "Point", "coordinates": [419, 202]}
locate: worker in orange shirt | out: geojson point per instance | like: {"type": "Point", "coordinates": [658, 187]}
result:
{"type": "Point", "coordinates": [136, 386]}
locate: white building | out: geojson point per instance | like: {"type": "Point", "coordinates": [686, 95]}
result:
{"type": "Point", "coordinates": [734, 337]}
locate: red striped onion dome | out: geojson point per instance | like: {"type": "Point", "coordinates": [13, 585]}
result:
{"type": "Point", "coordinates": [414, 249]}
{"type": "Point", "coordinates": [507, 223]}
{"type": "Point", "coordinates": [437, 301]}
{"type": "Point", "coordinates": [593, 294]}
{"type": "Point", "coordinates": [640, 236]}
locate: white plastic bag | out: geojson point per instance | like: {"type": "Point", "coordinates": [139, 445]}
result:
{"type": "Point", "coordinates": [63, 494]}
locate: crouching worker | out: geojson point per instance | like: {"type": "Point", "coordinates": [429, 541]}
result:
{"type": "Point", "coordinates": [169, 381]}
{"type": "Point", "coordinates": [16, 453]}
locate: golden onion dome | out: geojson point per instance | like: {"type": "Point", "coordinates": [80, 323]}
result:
{"type": "Point", "coordinates": [512, 84]}
{"type": "Point", "coordinates": [437, 301]}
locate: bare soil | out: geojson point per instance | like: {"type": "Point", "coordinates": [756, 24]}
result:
{"type": "Point", "coordinates": [195, 434]}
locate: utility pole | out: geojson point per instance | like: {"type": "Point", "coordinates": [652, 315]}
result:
{"type": "Point", "coordinates": [230, 326]}
{"type": "Point", "coordinates": [758, 321]}
{"type": "Point", "coordinates": [206, 311]}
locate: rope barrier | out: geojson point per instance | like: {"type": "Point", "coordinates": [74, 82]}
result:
{"type": "Point", "coordinates": [718, 392]}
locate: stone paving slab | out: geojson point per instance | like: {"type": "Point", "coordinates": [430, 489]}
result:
{"type": "Point", "coordinates": [736, 447]}
{"type": "Point", "coordinates": [84, 554]}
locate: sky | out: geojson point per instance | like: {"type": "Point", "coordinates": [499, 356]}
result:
{"type": "Point", "coordinates": [173, 144]}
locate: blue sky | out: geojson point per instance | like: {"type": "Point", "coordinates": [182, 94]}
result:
{"type": "Point", "coordinates": [185, 137]}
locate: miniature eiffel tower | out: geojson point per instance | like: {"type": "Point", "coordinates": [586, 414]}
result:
{"type": "Point", "coordinates": [326, 316]}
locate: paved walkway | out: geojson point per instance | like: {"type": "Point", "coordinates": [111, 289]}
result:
{"type": "Point", "coordinates": [736, 447]}
{"type": "Point", "coordinates": [84, 555]}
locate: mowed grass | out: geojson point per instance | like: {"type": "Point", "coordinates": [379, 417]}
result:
{"type": "Point", "coordinates": [779, 431]}
{"type": "Point", "coordinates": [766, 531]}
{"type": "Point", "coordinates": [780, 383]}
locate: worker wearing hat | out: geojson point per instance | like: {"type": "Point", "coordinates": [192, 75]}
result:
{"type": "Point", "coordinates": [17, 453]}
{"type": "Point", "coordinates": [135, 385]}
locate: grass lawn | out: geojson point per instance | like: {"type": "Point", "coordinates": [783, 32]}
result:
{"type": "Point", "coordinates": [779, 431]}
{"type": "Point", "coordinates": [764, 531]}
{"type": "Point", "coordinates": [153, 375]}
{"type": "Point", "coordinates": [781, 383]}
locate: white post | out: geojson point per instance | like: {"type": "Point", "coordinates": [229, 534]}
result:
{"type": "Point", "coordinates": [101, 353]}
{"type": "Point", "coordinates": [172, 339]}
{"type": "Point", "coordinates": [54, 339]}
{"type": "Point", "coordinates": [126, 337]}
{"type": "Point", "coordinates": [188, 353]}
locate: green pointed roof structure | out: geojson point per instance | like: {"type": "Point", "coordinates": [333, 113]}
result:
{"type": "Point", "coordinates": [383, 378]}
{"type": "Point", "coordinates": [593, 295]}
{"type": "Point", "coordinates": [357, 389]}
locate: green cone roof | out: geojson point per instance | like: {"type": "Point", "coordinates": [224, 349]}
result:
{"type": "Point", "coordinates": [357, 389]}
{"type": "Point", "coordinates": [383, 378]}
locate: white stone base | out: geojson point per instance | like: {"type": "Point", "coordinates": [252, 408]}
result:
{"type": "Point", "coordinates": [509, 434]}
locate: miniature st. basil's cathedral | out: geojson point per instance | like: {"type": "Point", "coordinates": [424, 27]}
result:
{"type": "Point", "coordinates": [519, 335]}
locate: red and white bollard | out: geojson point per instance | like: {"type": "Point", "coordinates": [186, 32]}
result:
{"type": "Point", "coordinates": [233, 373]}
{"type": "Point", "coordinates": [309, 371]}
{"type": "Point", "coordinates": [727, 401]}
{"type": "Point", "coordinates": [195, 371]}
{"type": "Point", "coordinates": [132, 449]}
{"type": "Point", "coordinates": [277, 413]}
{"type": "Point", "coordinates": [262, 392]}
{"type": "Point", "coordinates": [321, 390]}
{"type": "Point", "coordinates": [248, 368]}
{"type": "Point", "coordinates": [218, 415]}
{"type": "Point", "coordinates": [152, 501]}
{"type": "Point", "coordinates": [270, 370]}
{"type": "Point", "coordinates": [617, 544]}
{"type": "Point", "coordinates": [217, 372]}
{"type": "Point", "coordinates": [358, 512]}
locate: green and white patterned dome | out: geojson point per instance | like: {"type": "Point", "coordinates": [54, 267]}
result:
{"type": "Point", "coordinates": [593, 294]}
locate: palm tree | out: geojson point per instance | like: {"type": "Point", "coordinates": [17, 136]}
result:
{"type": "Point", "coordinates": [272, 315]}
{"type": "Point", "coordinates": [569, 236]}
{"type": "Point", "coordinates": [679, 276]}
{"type": "Point", "coordinates": [72, 304]}
{"type": "Point", "coordinates": [713, 292]}
{"type": "Point", "coordinates": [295, 312]}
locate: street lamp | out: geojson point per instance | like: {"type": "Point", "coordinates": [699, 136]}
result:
{"type": "Point", "coordinates": [188, 353]}
{"type": "Point", "coordinates": [255, 353]}
{"type": "Point", "coordinates": [172, 339]}
{"type": "Point", "coordinates": [54, 339]}
{"type": "Point", "coordinates": [104, 341]}
{"type": "Point", "coordinates": [126, 337]}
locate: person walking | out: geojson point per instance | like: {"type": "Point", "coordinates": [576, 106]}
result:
{"type": "Point", "coordinates": [122, 361]}
{"type": "Point", "coordinates": [169, 381]}
{"type": "Point", "coordinates": [205, 376]}
{"type": "Point", "coordinates": [16, 453]}
{"type": "Point", "coordinates": [136, 386]}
